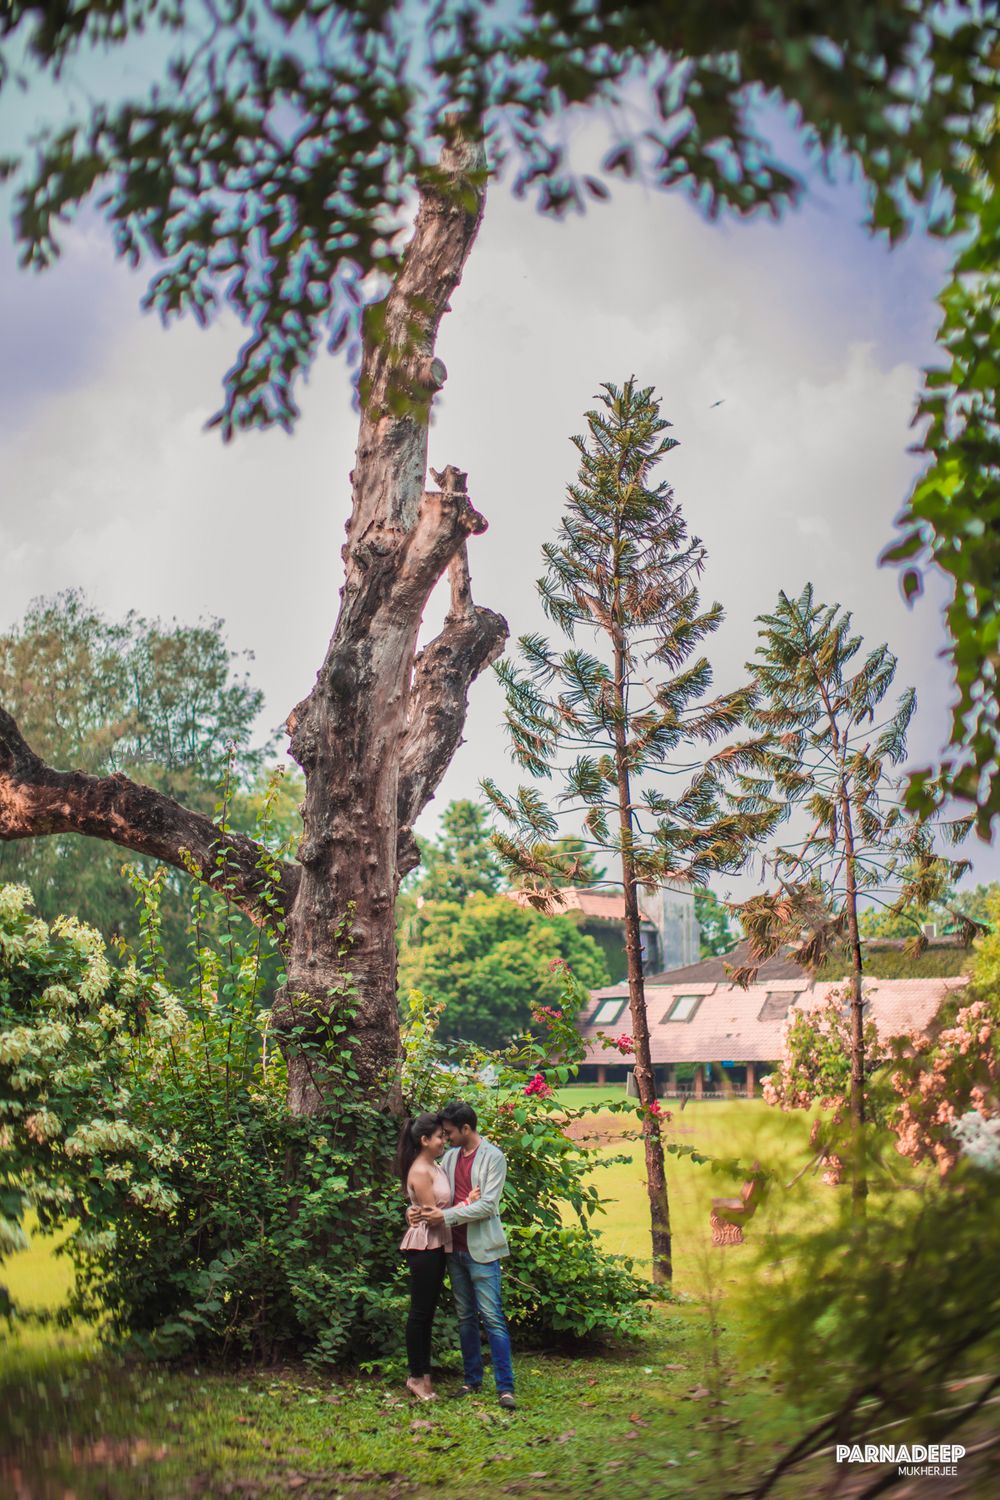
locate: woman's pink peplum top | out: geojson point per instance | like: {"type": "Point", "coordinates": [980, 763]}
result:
{"type": "Point", "coordinates": [431, 1236]}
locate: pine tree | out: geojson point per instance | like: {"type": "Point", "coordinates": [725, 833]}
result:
{"type": "Point", "coordinates": [825, 758]}
{"type": "Point", "coordinates": [622, 572]}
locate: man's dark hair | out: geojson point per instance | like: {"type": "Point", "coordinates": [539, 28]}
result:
{"type": "Point", "coordinates": [459, 1113]}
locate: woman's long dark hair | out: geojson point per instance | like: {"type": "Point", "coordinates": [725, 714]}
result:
{"type": "Point", "coordinates": [410, 1139]}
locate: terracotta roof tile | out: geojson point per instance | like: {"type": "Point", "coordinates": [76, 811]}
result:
{"type": "Point", "coordinates": [734, 1025]}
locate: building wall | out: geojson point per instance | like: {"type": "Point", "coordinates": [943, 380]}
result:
{"type": "Point", "coordinates": [680, 938]}
{"type": "Point", "coordinates": [611, 941]}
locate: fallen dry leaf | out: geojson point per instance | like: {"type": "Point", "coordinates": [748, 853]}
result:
{"type": "Point", "coordinates": [419, 1425]}
{"type": "Point", "coordinates": [564, 1437]}
{"type": "Point", "coordinates": [698, 1392]}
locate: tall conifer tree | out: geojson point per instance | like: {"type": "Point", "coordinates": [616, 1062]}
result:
{"type": "Point", "coordinates": [610, 717]}
{"type": "Point", "coordinates": [829, 745]}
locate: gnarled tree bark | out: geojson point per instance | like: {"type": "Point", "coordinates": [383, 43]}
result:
{"type": "Point", "coordinates": [379, 728]}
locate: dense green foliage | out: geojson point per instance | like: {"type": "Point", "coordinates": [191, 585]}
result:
{"type": "Point", "coordinates": [202, 1217]}
{"type": "Point", "coordinates": [719, 933]}
{"type": "Point", "coordinates": [898, 963]}
{"type": "Point", "coordinates": [273, 149]}
{"type": "Point", "coordinates": [488, 961]}
{"type": "Point", "coordinates": [900, 1314]}
{"type": "Point", "coordinates": [952, 517]}
{"type": "Point", "coordinates": [461, 861]}
{"type": "Point", "coordinates": [161, 703]}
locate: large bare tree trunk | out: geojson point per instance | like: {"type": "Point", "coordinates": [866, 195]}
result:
{"type": "Point", "coordinates": [379, 728]}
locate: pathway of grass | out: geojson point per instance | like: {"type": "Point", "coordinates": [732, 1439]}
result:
{"type": "Point", "coordinates": [655, 1421]}
{"type": "Point", "coordinates": [683, 1412]}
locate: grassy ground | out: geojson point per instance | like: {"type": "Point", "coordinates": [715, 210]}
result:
{"type": "Point", "coordinates": [685, 1412]}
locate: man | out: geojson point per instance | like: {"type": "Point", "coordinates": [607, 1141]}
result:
{"type": "Point", "coordinates": [478, 1245]}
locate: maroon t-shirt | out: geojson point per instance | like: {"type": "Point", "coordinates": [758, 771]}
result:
{"type": "Point", "coordinates": [463, 1187]}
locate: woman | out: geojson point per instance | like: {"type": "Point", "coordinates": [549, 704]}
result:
{"type": "Point", "coordinates": [424, 1180]}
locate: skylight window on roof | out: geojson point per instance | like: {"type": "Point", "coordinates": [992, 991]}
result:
{"type": "Point", "coordinates": [607, 1012]}
{"type": "Point", "coordinates": [776, 1005]}
{"type": "Point", "coordinates": [683, 1008]}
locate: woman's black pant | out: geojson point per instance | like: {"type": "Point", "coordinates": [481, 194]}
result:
{"type": "Point", "coordinates": [426, 1281]}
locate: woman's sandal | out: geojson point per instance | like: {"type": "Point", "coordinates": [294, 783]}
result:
{"type": "Point", "coordinates": [421, 1395]}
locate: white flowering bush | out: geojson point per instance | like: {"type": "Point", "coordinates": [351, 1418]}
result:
{"type": "Point", "coordinates": [152, 1125]}
{"type": "Point", "coordinates": [70, 1131]}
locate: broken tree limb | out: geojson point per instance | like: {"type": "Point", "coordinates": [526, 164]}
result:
{"type": "Point", "coordinates": [471, 639]}
{"type": "Point", "coordinates": [37, 799]}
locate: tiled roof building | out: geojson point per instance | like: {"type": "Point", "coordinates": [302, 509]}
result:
{"type": "Point", "coordinates": [708, 1036]}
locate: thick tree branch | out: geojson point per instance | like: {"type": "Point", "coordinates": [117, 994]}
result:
{"type": "Point", "coordinates": [35, 800]}
{"type": "Point", "coordinates": [471, 639]}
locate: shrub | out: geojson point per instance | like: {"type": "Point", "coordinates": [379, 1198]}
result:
{"type": "Point", "coordinates": [873, 1326]}
{"type": "Point", "coordinates": [203, 1218]}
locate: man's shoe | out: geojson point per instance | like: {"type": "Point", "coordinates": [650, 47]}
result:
{"type": "Point", "coordinates": [466, 1390]}
{"type": "Point", "coordinates": [506, 1399]}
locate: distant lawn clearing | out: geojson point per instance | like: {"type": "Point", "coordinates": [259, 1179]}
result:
{"type": "Point", "coordinates": [675, 1415]}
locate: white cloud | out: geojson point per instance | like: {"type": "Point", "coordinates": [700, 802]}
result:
{"type": "Point", "coordinates": [113, 485]}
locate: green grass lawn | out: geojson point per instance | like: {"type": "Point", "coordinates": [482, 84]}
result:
{"type": "Point", "coordinates": [684, 1411]}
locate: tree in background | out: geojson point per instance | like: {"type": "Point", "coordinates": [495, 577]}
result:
{"type": "Point", "coordinates": [715, 926]}
{"type": "Point", "coordinates": [461, 861]}
{"type": "Point", "coordinates": [269, 170]}
{"type": "Point", "coordinates": [605, 721]}
{"type": "Point", "coordinates": [951, 911]}
{"type": "Point", "coordinates": [162, 704]}
{"type": "Point", "coordinates": [491, 961]}
{"type": "Point", "coordinates": [826, 752]}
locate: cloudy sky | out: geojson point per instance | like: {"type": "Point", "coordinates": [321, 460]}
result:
{"type": "Point", "coordinates": [809, 333]}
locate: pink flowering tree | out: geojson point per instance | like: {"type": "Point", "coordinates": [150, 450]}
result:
{"type": "Point", "coordinates": [938, 1093]}
{"type": "Point", "coordinates": [946, 1088]}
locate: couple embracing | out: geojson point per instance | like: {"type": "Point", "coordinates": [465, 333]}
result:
{"type": "Point", "coordinates": [454, 1222]}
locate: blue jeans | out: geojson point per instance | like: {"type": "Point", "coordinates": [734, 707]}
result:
{"type": "Point", "coordinates": [476, 1288]}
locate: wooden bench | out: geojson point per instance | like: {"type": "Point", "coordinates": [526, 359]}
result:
{"type": "Point", "coordinates": [728, 1215]}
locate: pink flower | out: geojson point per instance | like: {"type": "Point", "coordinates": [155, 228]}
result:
{"type": "Point", "coordinates": [557, 963]}
{"type": "Point", "coordinates": [538, 1012]}
{"type": "Point", "coordinates": [538, 1087]}
{"type": "Point", "coordinates": [624, 1043]}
